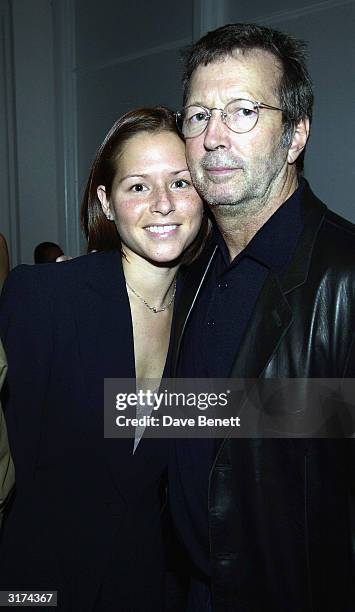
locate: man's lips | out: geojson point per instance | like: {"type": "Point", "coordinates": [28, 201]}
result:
{"type": "Point", "coordinates": [221, 174]}
{"type": "Point", "coordinates": [221, 169]}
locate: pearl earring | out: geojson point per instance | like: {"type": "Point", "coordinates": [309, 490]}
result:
{"type": "Point", "coordinates": [109, 216]}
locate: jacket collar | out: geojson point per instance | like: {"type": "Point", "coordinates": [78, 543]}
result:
{"type": "Point", "coordinates": [313, 213]}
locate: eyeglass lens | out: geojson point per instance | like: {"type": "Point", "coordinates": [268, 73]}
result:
{"type": "Point", "coordinates": [239, 115]}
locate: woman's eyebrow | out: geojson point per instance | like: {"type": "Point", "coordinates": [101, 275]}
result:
{"type": "Point", "coordinates": [178, 171]}
{"type": "Point", "coordinates": [172, 173]}
{"type": "Point", "coordinates": [133, 176]}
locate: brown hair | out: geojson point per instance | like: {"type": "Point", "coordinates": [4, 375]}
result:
{"type": "Point", "coordinates": [101, 233]}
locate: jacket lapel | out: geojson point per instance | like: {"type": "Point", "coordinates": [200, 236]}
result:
{"type": "Point", "coordinates": [272, 315]}
{"type": "Point", "coordinates": [271, 318]}
{"type": "Point", "coordinates": [105, 337]}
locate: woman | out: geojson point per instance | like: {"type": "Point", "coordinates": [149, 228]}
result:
{"type": "Point", "coordinates": [86, 518]}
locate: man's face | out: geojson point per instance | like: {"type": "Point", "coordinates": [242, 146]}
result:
{"type": "Point", "coordinates": [230, 168]}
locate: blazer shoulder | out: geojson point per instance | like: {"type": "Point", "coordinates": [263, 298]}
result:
{"type": "Point", "coordinates": [47, 276]}
{"type": "Point", "coordinates": [56, 282]}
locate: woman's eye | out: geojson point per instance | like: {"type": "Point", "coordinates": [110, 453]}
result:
{"type": "Point", "coordinates": [180, 184]}
{"type": "Point", "coordinates": [138, 187]}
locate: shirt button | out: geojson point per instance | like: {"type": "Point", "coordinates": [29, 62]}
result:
{"type": "Point", "coordinates": [222, 285]}
{"type": "Point", "coordinates": [211, 323]}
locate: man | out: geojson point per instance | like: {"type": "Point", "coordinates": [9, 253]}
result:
{"type": "Point", "coordinates": [266, 523]}
{"type": "Point", "coordinates": [47, 252]}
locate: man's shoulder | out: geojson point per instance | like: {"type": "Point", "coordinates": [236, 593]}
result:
{"type": "Point", "coordinates": [330, 236]}
{"type": "Point", "coordinates": [339, 224]}
{"type": "Point", "coordinates": [337, 236]}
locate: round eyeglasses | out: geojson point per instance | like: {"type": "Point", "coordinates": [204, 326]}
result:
{"type": "Point", "coordinates": [239, 115]}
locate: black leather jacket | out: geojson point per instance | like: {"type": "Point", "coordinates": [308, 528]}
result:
{"type": "Point", "coordinates": [281, 510]}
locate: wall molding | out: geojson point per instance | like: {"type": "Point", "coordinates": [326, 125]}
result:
{"type": "Point", "coordinates": [11, 172]}
{"type": "Point", "coordinates": [66, 124]}
{"type": "Point", "coordinates": [282, 16]}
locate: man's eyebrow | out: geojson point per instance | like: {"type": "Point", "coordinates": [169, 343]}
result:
{"type": "Point", "coordinates": [197, 103]}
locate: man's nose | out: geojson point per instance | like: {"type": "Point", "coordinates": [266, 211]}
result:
{"type": "Point", "coordinates": [216, 134]}
{"type": "Point", "coordinates": [163, 202]}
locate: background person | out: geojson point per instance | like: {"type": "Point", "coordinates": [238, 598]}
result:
{"type": "Point", "coordinates": [86, 518]}
{"type": "Point", "coordinates": [47, 252]}
{"type": "Point", "coordinates": [267, 523]}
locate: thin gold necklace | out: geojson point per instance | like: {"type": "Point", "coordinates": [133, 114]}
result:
{"type": "Point", "coordinates": [153, 308]}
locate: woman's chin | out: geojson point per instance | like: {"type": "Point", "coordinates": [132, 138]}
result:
{"type": "Point", "coordinates": [165, 259]}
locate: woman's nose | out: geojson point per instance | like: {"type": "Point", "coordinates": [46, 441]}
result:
{"type": "Point", "coordinates": [163, 202]}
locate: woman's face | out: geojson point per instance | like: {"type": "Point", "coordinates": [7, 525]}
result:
{"type": "Point", "coordinates": [155, 207]}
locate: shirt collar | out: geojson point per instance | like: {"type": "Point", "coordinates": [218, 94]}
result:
{"type": "Point", "coordinates": [275, 242]}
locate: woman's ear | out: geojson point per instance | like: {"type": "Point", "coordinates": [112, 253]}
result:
{"type": "Point", "coordinates": [299, 140]}
{"type": "Point", "coordinates": [105, 203]}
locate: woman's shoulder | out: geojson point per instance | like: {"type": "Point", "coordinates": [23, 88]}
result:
{"type": "Point", "coordinates": [51, 274]}
{"type": "Point", "coordinates": [28, 282]}
{"type": "Point", "coordinates": [56, 285]}
{"type": "Point", "coordinates": [64, 280]}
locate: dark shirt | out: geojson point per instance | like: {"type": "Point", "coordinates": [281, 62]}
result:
{"type": "Point", "coordinates": [210, 345]}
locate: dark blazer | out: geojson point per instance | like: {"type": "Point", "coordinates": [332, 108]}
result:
{"type": "Point", "coordinates": [281, 511]}
{"type": "Point", "coordinates": [86, 517]}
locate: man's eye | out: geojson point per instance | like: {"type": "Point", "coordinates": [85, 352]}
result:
{"type": "Point", "coordinates": [180, 184]}
{"type": "Point", "coordinates": [245, 112]}
{"type": "Point", "coordinates": [198, 117]}
{"type": "Point", "coordinates": [138, 187]}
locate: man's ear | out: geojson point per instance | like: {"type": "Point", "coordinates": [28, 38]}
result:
{"type": "Point", "coordinates": [105, 203]}
{"type": "Point", "coordinates": [299, 140]}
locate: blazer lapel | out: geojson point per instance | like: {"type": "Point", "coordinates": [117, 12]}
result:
{"type": "Point", "coordinates": [105, 336]}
